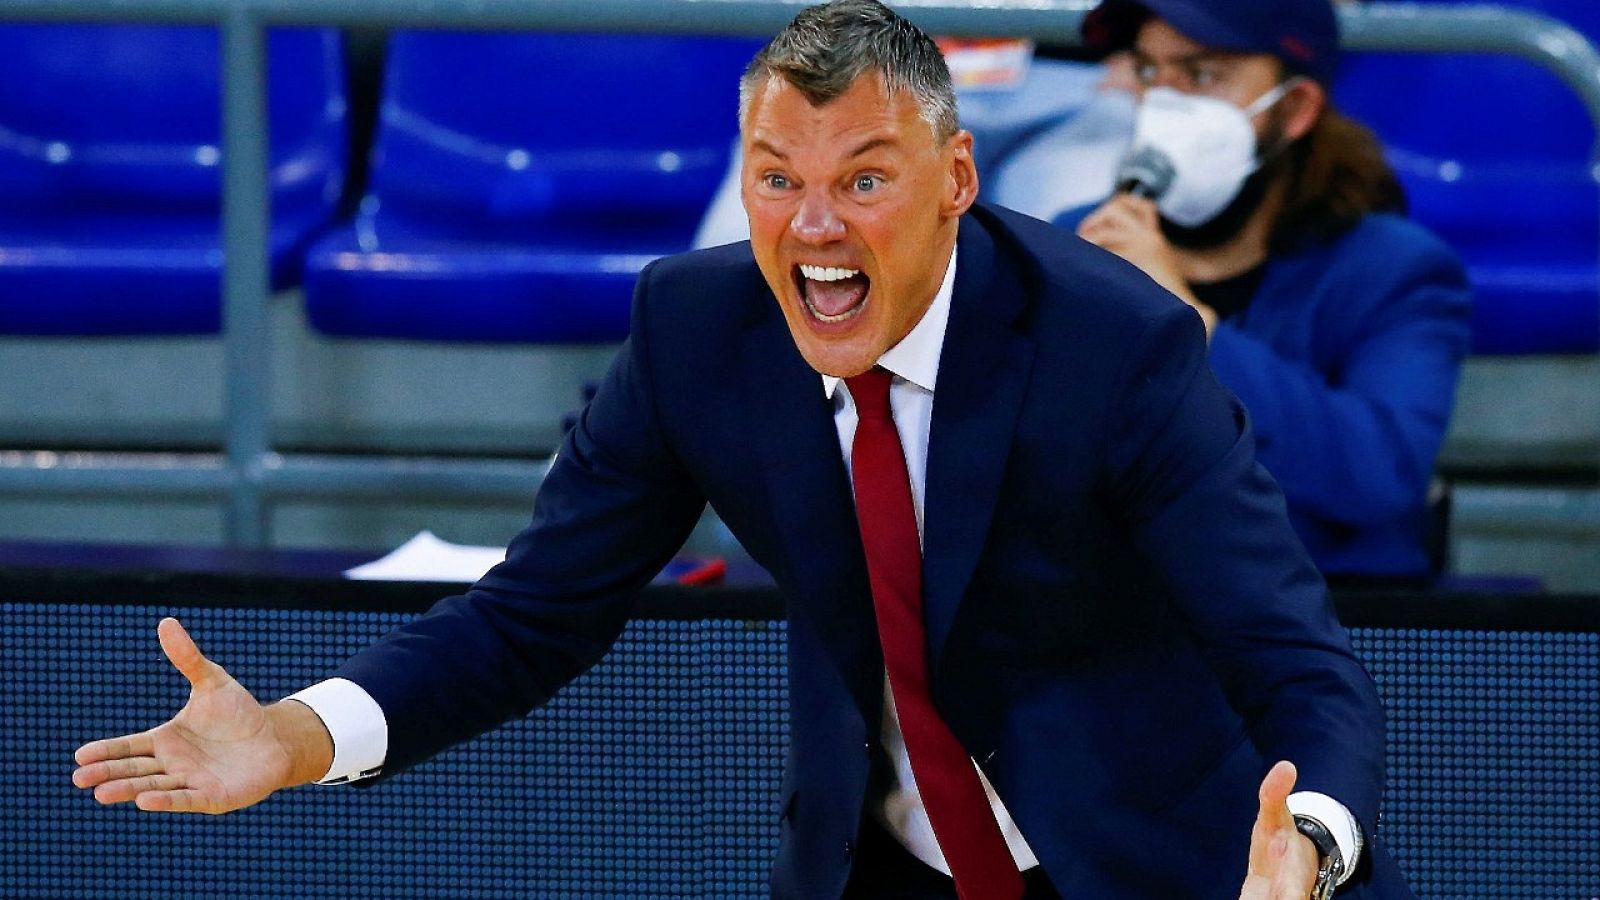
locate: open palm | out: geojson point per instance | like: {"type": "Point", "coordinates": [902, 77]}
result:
{"type": "Point", "coordinates": [221, 752]}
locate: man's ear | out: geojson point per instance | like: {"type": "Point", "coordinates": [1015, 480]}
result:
{"type": "Point", "coordinates": [963, 175]}
{"type": "Point", "coordinates": [1303, 105]}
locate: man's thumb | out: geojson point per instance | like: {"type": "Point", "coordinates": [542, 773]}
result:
{"type": "Point", "coordinates": [183, 653]}
{"type": "Point", "coordinates": [1275, 788]}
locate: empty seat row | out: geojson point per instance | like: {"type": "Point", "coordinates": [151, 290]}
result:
{"type": "Point", "coordinates": [1497, 156]}
{"type": "Point", "coordinates": [110, 173]}
{"type": "Point", "coordinates": [520, 181]}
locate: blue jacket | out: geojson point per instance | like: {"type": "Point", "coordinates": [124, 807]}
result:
{"type": "Point", "coordinates": [1122, 629]}
{"type": "Point", "coordinates": [1347, 359]}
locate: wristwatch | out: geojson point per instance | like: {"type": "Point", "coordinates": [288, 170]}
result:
{"type": "Point", "coordinates": [1331, 869]}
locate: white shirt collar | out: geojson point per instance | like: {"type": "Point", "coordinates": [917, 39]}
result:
{"type": "Point", "coordinates": [916, 357]}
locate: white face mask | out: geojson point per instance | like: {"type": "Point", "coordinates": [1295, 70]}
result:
{"type": "Point", "coordinates": [1210, 143]}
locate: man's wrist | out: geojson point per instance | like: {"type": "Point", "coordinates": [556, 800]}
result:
{"type": "Point", "coordinates": [1331, 866]}
{"type": "Point", "coordinates": [1338, 821]}
{"type": "Point", "coordinates": [305, 740]}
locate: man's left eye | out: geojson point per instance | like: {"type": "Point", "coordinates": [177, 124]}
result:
{"type": "Point", "coordinates": [867, 183]}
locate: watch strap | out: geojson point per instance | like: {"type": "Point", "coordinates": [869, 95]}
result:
{"type": "Point", "coordinates": [1330, 869]}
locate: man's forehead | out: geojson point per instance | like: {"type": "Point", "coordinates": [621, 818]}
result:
{"type": "Point", "coordinates": [868, 90]}
{"type": "Point", "coordinates": [781, 114]}
{"type": "Point", "coordinates": [1159, 41]}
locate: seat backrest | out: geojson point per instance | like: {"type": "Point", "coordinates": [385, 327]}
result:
{"type": "Point", "coordinates": [1490, 148]}
{"type": "Point", "coordinates": [115, 118]}
{"type": "Point", "coordinates": [518, 134]}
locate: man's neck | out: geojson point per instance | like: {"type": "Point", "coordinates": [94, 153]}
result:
{"type": "Point", "coordinates": [1246, 250]}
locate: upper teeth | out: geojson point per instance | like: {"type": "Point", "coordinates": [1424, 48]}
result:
{"type": "Point", "coordinates": [827, 273]}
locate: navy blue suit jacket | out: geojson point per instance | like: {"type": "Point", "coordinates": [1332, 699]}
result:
{"type": "Point", "coordinates": [1123, 630]}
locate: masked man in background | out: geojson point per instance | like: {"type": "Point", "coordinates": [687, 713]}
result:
{"type": "Point", "coordinates": [1340, 324]}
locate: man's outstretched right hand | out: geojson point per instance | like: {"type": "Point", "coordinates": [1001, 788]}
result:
{"type": "Point", "coordinates": [223, 751]}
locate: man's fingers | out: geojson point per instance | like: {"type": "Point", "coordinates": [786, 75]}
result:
{"type": "Point", "coordinates": [1110, 211]}
{"type": "Point", "coordinates": [1110, 232]}
{"type": "Point", "coordinates": [185, 800]}
{"type": "Point", "coordinates": [1116, 222]}
{"type": "Point", "coordinates": [184, 654]}
{"type": "Point", "coordinates": [1142, 209]}
{"type": "Point", "coordinates": [123, 790]}
{"type": "Point", "coordinates": [1093, 222]}
{"type": "Point", "coordinates": [111, 770]}
{"type": "Point", "coordinates": [141, 744]}
{"type": "Point", "coordinates": [1097, 233]}
{"type": "Point", "coordinates": [1117, 216]}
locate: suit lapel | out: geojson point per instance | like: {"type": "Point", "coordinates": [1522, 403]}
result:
{"type": "Point", "coordinates": [809, 493]}
{"type": "Point", "coordinates": [983, 375]}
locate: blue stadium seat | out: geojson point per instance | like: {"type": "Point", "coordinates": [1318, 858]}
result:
{"type": "Point", "coordinates": [1494, 154]}
{"type": "Point", "coordinates": [110, 173]}
{"type": "Point", "coordinates": [521, 181]}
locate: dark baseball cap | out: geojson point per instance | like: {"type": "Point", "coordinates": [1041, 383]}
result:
{"type": "Point", "coordinates": [1304, 34]}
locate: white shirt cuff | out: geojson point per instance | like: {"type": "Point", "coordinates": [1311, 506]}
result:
{"type": "Point", "coordinates": [355, 721]}
{"type": "Point", "coordinates": [1337, 819]}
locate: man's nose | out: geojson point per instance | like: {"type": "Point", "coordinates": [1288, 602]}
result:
{"type": "Point", "coordinates": [816, 222]}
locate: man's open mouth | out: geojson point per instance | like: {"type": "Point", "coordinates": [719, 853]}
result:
{"type": "Point", "coordinates": [832, 294]}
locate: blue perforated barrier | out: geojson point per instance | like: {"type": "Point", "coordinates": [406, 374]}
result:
{"type": "Point", "coordinates": [1494, 760]}
{"type": "Point", "coordinates": [655, 775]}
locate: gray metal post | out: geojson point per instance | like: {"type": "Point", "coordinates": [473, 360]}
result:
{"type": "Point", "coordinates": [193, 12]}
{"type": "Point", "coordinates": [246, 271]}
{"type": "Point", "coordinates": [1053, 21]}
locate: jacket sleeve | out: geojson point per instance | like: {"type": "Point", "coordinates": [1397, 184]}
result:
{"type": "Point", "coordinates": [612, 510]}
{"type": "Point", "coordinates": [1358, 444]}
{"type": "Point", "coordinates": [1182, 467]}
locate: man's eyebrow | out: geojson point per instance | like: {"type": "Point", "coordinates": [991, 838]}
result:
{"type": "Point", "coordinates": [870, 145]}
{"type": "Point", "coordinates": [1187, 58]}
{"type": "Point", "coordinates": [768, 148]}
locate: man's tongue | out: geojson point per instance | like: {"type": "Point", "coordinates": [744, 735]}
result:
{"type": "Point", "coordinates": [835, 298]}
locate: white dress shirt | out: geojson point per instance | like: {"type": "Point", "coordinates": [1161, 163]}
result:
{"type": "Point", "coordinates": [914, 362]}
{"type": "Point", "coordinates": [360, 734]}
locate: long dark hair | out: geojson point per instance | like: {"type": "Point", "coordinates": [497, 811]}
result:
{"type": "Point", "coordinates": [1338, 174]}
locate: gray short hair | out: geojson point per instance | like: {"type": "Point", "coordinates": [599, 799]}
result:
{"type": "Point", "coordinates": [827, 47]}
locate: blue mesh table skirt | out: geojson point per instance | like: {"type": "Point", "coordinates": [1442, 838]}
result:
{"type": "Point", "coordinates": [655, 775]}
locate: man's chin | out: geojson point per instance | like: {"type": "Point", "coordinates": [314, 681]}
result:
{"type": "Point", "coordinates": [839, 362]}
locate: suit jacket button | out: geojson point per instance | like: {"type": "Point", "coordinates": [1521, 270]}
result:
{"type": "Point", "coordinates": [849, 848]}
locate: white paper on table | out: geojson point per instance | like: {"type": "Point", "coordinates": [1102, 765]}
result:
{"type": "Point", "coordinates": [427, 558]}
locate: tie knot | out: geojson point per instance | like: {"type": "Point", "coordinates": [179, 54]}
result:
{"type": "Point", "coordinates": [870, 391]}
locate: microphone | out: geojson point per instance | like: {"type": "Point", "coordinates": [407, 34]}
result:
{"type": "Point", "coordinates": [1147, 172]}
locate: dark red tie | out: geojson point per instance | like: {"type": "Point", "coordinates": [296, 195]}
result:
{"type": "Point", "coordinates": [957, 806]}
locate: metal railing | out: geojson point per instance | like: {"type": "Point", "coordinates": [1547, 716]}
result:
{"type": "Point", "coordinates": [250, 473]}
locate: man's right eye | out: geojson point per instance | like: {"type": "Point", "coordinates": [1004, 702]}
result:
{"type": "Point", "coordinates": [776, 181]}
